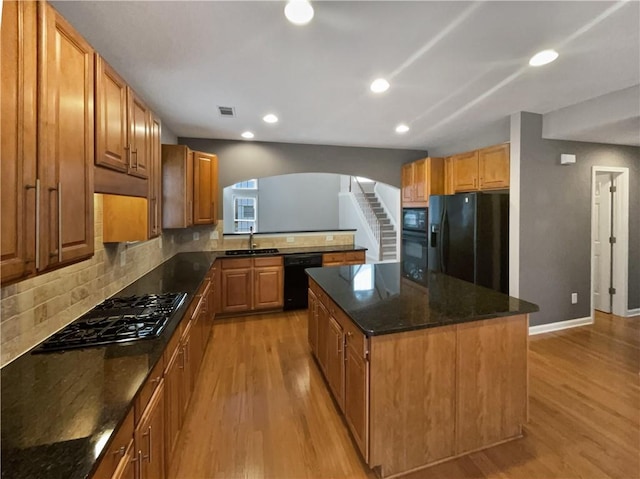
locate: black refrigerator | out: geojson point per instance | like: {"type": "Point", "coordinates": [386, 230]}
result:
{"type": "Point", "coordinates": [469, 238]}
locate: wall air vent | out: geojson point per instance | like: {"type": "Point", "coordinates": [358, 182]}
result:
{"type": "Point", "coordinates": [226, 111]}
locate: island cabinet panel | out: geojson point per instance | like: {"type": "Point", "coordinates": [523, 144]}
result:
{"type": "Point", "coordinates": [323, 335]}
{"type": "Point", "coordinates": [492, 381]}
{"type": "Point", "coordinates": [65, 141]}
{"type": "Point", "coordinates": [18, 134]}
{"type": "Point", "coordinates": [335, 360]}
{"type": "Point", "coordinates": [412, 381]}
{"type": "Point", "coordinates": [356, 395]}
{"type": "Point", "coordinates": [312, 325]}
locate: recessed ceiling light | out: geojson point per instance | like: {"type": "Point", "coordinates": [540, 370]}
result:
{"type": "Point", "coordinates": [380, 85]}
{"type": "Point", "coordinates": [402, 128]}
{"type": "Point", "coordinates": [270, 118]}
{"type": "Point", "coordinates": [248, 135]}
{"type": "Point", "coordinates": [543, 57]}
{"type": "Point", "coordinates": [298, 12]}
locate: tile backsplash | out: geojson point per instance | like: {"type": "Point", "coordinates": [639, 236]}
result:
{"type": "Point", "coordinates": [33, 309]}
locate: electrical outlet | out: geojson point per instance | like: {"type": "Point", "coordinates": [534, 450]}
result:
{"type": "Point", "coordinates": [329, 238]}
{"type": "Point", "coordinates": [214, 235]}
{"type": "Point", "coordinates": [290, 239]}
{"type": "Point", "coordinates": [160, 242]}
{"type": "Point", "coordinates": [123, 258]}
{"type": "Point", "coordinates": [574, 298]}
{"type": "Point", "coordinates": [196, 236]}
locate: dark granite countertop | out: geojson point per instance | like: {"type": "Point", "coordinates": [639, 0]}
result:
{"type": "Point", "coordinates": [298, 250]}
{"type": "Point", "coordinates": [380, 301]}
{"type": "Point", "coordinates": [60, 409]}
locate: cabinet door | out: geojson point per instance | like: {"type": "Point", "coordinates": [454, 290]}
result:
{"type": "Point", "coordinates": [149, 438]}
{"type": "Point", "coordinates": [356, 398]}
{"type": "Point", "coordinates": [335, 360]}
{"type": "Point", "coordinates": [333, 259]}
{"type": "Point", "coordinates": [18, 135]}
{"type": "Point", "coordinates": [323, 335]}
{"type": "Point", "coordinates": [448, 176]}
{"type": "Point", "coordinates": [312, 325]}
{"type": "Point", "coordinates": [420, 180]}
{"type": "Point", "coordinates": [65, 141]}
{"type": "Point", "coordinates": [407, 183]}
{"type": "Point", "coordinates": [268, 290]}
{"type": "Point", "coordinates": [177, 186]}
{"type": "Point", "coordinates": [494, 167]}
{"type": "Point", "coordinates": [203, 188]}
{"type": "Point", "coordinates": [465, 171]}
{"type": "Point", "coordinates": [155, 178]}
{"type": "Point", "coordinates": [187, 380]}
{"type": "Point", "coordinates": [236, 290]}
{"type": "Point", "coordinates": [173, 409]}
{"type": "Point", "coordinates": [139, 120]}
{"type": "Point", "coordinates": [127, 467]}
{"type": "Point", "coordinates": [111, 118]}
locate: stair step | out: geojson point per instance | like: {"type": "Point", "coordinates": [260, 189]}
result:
{"type": "Point", "coordinates": [389, 240]}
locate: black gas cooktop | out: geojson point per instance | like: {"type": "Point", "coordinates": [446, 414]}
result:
{"type": "Point", "coordinates": [117, 320]}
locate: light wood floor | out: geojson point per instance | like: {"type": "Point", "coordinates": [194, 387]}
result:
{"type": "Point", "coordinates": [261, 409]}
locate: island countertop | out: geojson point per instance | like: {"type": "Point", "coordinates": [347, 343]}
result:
{"type": "Point", "coordinates": [380, 301]}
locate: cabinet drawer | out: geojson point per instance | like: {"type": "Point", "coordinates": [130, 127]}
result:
{"type": "Point", "coordinates": [269, 261]}
{"type": "Point", "coordinates": [116, 449]}
{"type": "Point", "coordinates": [149, 387]}
{"type": "Point", "coordinates": [355, 338]}
{"type": "Point", "coordinates": [333, 258]}
{"type": "Point", "coordinates": [354, 257]}
{"type": "Point", "coordinates": [236, 263]}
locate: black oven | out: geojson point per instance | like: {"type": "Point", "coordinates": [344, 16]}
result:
{"type": "Point", "coordinates": [414, 243]}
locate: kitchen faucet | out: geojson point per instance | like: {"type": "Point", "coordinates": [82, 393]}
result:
{"type": "Point", "coordinates": [251, 243]}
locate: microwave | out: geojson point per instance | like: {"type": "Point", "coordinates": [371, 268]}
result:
{"type": "Point", "coordinates": [415, 220]}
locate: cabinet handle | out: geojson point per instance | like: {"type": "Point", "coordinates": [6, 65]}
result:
{"type": "Point", "coordinates": [190, 212]}
{"type": "Point", "coordinates": [182, 353]}
{"type": "Point", "coordinates": [135, 152]}
{"type": "Point", "coordinates": [128, 148]}
{"type": "Point", "coordinates": [338, 343]}
{"type": "Point", "coordinates": [480, 184]}
{"type": "Point", "coordinates": [58, 189]}
{"type": "Point", "coordinates": [155, 380]}
{"type": "Point", "coordinates": [155, 215]}
{"type": "Point", "coordinates": [119, 451]}
{"type": "Point", "coordinates": [37, 188]}
{"type": "Point", "coordinates": [349, 334]}
{"type": "Point", "coordinates": [148, 434]}
{"type": "Point", "coordinates": [138, 461]}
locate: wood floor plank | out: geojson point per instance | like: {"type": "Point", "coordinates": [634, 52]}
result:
{"type": "Point", "coordinates": [261, 409]}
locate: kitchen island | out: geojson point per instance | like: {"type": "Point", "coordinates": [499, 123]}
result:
{"type": "Point", "coordinates": [422, 372]}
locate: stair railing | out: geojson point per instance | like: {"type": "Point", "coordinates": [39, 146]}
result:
{"type": "Point", "coordinates": [367, 210]}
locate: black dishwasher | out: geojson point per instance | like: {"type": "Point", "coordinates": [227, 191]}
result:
{"type": "Point", "coordinates": [296, 281]}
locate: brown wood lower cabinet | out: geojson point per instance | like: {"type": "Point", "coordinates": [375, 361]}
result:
{"type": "Point", "coordinates": [126, 468]}
{"type": "Point", "coordinates": [344, 258]}
{"type": "Point", "coordinates": [149, 438]}
{"type": "Point", "coordinates": [312, 327]}
{"type": "Point", "coordinates": [251, 284]}
{"type": "Point", "coordinates": [415, 398]}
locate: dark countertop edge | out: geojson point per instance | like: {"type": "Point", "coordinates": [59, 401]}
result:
{"type": "Point", "coordinates": [292, 251]}
{"type": "Point", "coordinates": [404, 329]}
{"type": "Point", "coordinates": [257, 233]}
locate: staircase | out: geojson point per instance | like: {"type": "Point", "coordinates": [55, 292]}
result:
{"type": "Point", "coordinates": [377, 218]}
{"type": "Point", "coordinates": [387, 230]}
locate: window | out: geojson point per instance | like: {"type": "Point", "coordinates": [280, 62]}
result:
{"type": "Point", "coordinates": [244, 214]}
{"type": "Point", "coordinates": [246, 185]}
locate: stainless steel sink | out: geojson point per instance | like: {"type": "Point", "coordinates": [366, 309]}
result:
{"type": "Point", "coordinates": [241, 252]}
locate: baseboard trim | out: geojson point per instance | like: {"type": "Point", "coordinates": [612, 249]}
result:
{"type": "Point", "coordinates": [560, 325]}
{"type": "Point", "coordinates": [633, 312]}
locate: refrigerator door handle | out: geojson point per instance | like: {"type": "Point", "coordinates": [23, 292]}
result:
{"type": "Point", "coordinates": [443, 240]}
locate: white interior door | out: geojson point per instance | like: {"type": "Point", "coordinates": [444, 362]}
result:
{"type": "Point", "coordinates": [601, 246]}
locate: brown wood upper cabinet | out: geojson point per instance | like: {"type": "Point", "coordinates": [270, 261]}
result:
{"type": "Point", "coordinates": [420, 179]}
{"type": "Point", "coordinates": [205, 188]}
{"type": "Point", "coordinates": [47, 148]}
{"type": "Point", "coordinates": [155, 179]}
{"type": "Point", "coordinates": [123, 124]}
{"type": "Point", "coordinates": [189, 187]}
{"type": "Point", "coordinates": [484, 169]}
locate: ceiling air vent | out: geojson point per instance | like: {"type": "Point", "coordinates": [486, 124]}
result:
{"type": "Point", "coordinates": [226, 111]}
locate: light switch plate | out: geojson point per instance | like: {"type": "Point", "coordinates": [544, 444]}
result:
{"type": "Point", "coordinates": [290, 239]}
{"type": "Point", "coordinates": [329, 237]}
{"type": "Point", "coordinates": [196, 236]}
{"type": "Point", "coordinates": [123, 258]}
{"type": "Point", "coordinates": [574, 298]}
{"type": "Point", "coordinates": [160, 242]}
{"type": "Point", "coordinates": [214, 235]}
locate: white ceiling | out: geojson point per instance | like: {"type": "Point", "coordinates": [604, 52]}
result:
{"type": "Point", "coordinates": [453, 66]}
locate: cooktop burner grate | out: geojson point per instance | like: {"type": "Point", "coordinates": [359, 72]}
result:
{"type": "Point", "coordinates": [117, 320]}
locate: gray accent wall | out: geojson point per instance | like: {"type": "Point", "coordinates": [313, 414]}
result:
{"type": "Point", "coordinates": [555, 221]}
{"type": "Point", "coordinates": [242, 160]}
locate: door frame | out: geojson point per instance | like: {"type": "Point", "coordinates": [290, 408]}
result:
{"type": "Point", "coordinates": [620, 257]}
